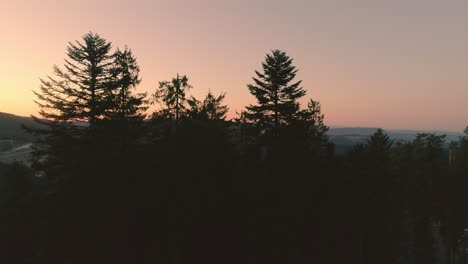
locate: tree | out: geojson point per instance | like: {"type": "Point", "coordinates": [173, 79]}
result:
{"type": "Point", "coordinates": [312, 119]}
{"type": "Point", "coordinates": [86, 107]}
{"type": "Point", "coordinates": [379, 144]}
{"type": "Point", "coordinates": [212, 107]}
{"type": "Point", "coordinates": [123, 104]}
{"type": "Point", "coordinates": [72, 102]}
{"type": "Point", "coordinates": [422, 166]}
{"type": "Point", "coordinates": [77, 92]}
{"type": "Point", "coordinates": [275, 91]}
{"type": "Point", "coordinates": [125, 110]}
{"type": "Point", "coordinates": [373, 185]}
{"type": "Point", "coordinates": [172, 96]}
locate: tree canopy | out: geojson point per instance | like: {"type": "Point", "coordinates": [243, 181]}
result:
{"type": "Point", "coordinates": [109, 185]}
{"type": "Point", "coordinates": [276, 92]}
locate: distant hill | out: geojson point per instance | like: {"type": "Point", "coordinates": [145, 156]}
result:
{"type": "Point", "coordinates": [12, 135]}
{"type": "Point", "coordinates": [15, 142]}
{"type": "Point", "coordinates": [404, 135]}
{"type": "Point", "coordinates": [345, 137]}
{"type": "Point", "coordinates": [11, 128]}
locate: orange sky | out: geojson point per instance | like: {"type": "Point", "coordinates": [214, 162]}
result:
{"type": "Point", "coordinates": [393, 64]}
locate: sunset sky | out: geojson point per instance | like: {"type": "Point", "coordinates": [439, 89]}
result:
{"type": "Point", "coordinates": [400, 64]}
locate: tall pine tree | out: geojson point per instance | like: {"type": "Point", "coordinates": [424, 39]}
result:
{"type": "Point", "coordinates": [276, 92]}
{"type": "Point", "coordinates": [77, 92]}
{"type": "Point", "coordinates": [123, 104]}
{"type": "Point", "coordinates": [172, 96]}
{"type": "Point", "coordinates": [73, 101]}
{"type": "Point", "coordinates": [125, 109]}
{"type": "Point", "coordinates": [310, 122]}
{"type": "Point", "coordinates": [211, 108]}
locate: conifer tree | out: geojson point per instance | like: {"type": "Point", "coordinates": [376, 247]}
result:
{"type": "Point", "coordinates": [276, 92]}
{"type": "Point", "coordinates": [371, 170]}
{"type": "Point", "coordinates": [124, 105]}
{"type": "Point", "coordinates": [125, 110]}
{"type": "Point", "coordinates": [379, 143]}
{"type": "Point", "coordinates": [172, 96]}
{"type": "Point", "coordinates": [87, 107]}
{"type": "Point", "coordinates": [88, 103]}
{"type": "Point", "coordinates": [72, 102]}
{"type": "Point", "coordinates": [77, 92]}
{"type": "Point", "coordinates": [212, 107]}
{"type": "Point", "coordinates": [315, 128]}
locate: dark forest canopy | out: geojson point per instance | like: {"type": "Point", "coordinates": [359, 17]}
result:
{"type": "Point", "coordinates": [110, 183]}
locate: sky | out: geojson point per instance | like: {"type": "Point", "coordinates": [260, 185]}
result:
{"type": "Point", "coordinates": [400, 64]}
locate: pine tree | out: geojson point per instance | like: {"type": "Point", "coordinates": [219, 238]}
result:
{"type": "Point", "coordinates": [78, 91]}
{"type": "Point", "coordinates": [125, 110]}
{"type": "Point", "coordinates": [315, 130]}
{"type": "Point", "coordinates": [87, 108]}
{"type": "Point", "coordinates": [371, 165]}
{"type": "Point", "coordinates": [87, 105]}
{"type": "Point", "coordinates": [72, 102]}
{"type": "Point", "coordinates": [172, 96]}
{"type": "Point", "coordinates": [124, 105]}
{"type": "Point", "coordinates": [212, 107]}
{"type": "Point", "coordinates": [379, 143]}
{"type": "Point", "coordinates": [275, 91]}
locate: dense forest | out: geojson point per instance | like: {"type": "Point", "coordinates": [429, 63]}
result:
{"type": "Point", "coordinates": [110, 182]}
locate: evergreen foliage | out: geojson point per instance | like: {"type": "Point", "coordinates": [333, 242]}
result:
{"type": "Point", "coordinates": [276, 92]}
{"type": "Point", "coordinates": [123, 104]}
{"type": "Point", "coordinates": [108, 185]}
{"type": "Point", "coordinates": [78, 92]}
{"type": "Point", "coordinates": [211, 108]}
{"type": "Point", "coordinates": [172, 97]}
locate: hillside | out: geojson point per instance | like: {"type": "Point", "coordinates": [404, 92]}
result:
{"type": "Point", "coordinates": [359, 134]}
{"type": "Point", "coordinates": [345, 137]}
{"type": "Point", "coordinates": [11, 128]}
{"type": "Point", "coordinates": [14, 140]}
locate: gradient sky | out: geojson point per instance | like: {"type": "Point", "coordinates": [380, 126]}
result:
{"type": "Point", "coordinates": [400, 64]}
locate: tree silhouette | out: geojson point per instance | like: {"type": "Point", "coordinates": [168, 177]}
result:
{"type": "Point", "coordinates": [172, 96]}
{"type": "Point", "coordinates": [311, 121]}
{"type": "Point", "coordinates": [72, 102]}
{"type": "Point", "coordinates": [123, 104]}
{"type": "Point", "coordinates": [125, 111]}
{"type": "Point", "coordinates": [211, 108]}
{"type": "Point", "coordinates": [379, 142]}
{"type": "Point", "coordinates": [91, 115]}
{"type": "Point", "coordinates": [258, 190]}
{"type": "Point", "coordinates": [378, 146]}
{"type": "Point", "coordinates": [375, 180]}
{"type": "Point", "coordinates": [275, 91]}
{"type": "Point", "coordinates": [78, 92]}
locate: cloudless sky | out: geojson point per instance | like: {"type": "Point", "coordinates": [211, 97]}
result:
{"type": "Point", "coordinates": [392, 64]}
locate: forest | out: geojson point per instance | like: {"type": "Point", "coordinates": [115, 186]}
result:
{"type": "Point", "coordinates": [110, 182]}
